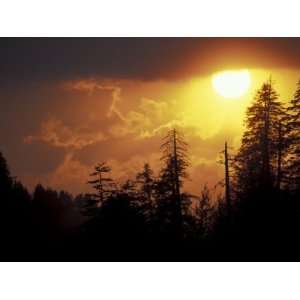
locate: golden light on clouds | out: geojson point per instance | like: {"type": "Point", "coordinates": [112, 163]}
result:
{"type": "Point", "coordinates": [231, 84]}
{"type": "Point", "coordinates": [122, 122]}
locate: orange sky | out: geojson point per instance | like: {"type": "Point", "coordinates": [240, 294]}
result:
{"type": "Point", "coordinates": [122, 123]}
{"type": "Point", "coordinates": [61, 126]}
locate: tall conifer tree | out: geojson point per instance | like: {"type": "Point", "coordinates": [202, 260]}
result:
{"type": "Point", "coordinates": [293, 168]}
{"type": "Point", "coordinates": [256, 164]}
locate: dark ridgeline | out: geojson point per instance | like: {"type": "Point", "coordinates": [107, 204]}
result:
{"type": "Point", "coordinates": [150, 217]}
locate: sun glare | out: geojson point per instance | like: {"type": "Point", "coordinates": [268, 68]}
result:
{"type": "Point", "coordinates": [231, 84]}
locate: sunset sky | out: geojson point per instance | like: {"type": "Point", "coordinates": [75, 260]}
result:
{"type": "Point", "coordinates": [67, 104]}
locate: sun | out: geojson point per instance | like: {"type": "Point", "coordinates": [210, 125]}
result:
{"type": "Point", "coordinates": [231, 84]}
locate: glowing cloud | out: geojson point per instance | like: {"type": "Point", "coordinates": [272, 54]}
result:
{"type": "Point", "coordinates": [55, 133]}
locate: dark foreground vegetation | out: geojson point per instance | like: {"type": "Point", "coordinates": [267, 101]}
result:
{"type": "Point", "coordinates": [150, 218]}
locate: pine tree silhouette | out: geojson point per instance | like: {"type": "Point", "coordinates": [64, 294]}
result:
{"type": "Point", "coordinates": [293, 168]}
{"type": "Point", "coordinates": [175, 160]}
{"type": "Point", "coordinates": [255, 163]}
{"type": "Point", "coordinates": [204, 212]}
{"type": "Point", "coordinates": [6, 180]}
{"type": "Point", "coordinates": [145, 184]}
{"type": "Point", "coordinates": [101, 183]}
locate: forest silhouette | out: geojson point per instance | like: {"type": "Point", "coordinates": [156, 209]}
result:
{"type": "Point", "coordinates": [150, 217]}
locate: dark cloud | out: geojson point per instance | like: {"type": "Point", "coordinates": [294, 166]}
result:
{"type": "Point", "coordinates": [140, 58]}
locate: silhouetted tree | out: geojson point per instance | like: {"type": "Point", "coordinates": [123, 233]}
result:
{"type": "Point", "coordinates": [103, 186]}
{"type": "Point", "coordinates": [129, 188]}
{"type": "Point", "coordinates": [293, 168]}
{"type": "Point", "coordinates": [65, 198]}
{"type": "Point", "coordinates": [175, 160]}
{"type": "Point", "coordinates": [145, 185]}
{"type": "Point", "coordinates": [20, 204]}
{"type": "Point", "coordinates": [46, 211]}
{"type": "Point", "coordinates": [282, 148]}
{"type": "Point", "coordinates": [6, 180]}
{"type": "Point", "coordinates": [255, 164]}
{"type": "Point", "coordinates": [53, 215]}
{"type": "Point", "coordinates": [204, 212]}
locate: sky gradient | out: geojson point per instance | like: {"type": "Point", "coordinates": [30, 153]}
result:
{"type": "Point", "coordinates": [67, 104]}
